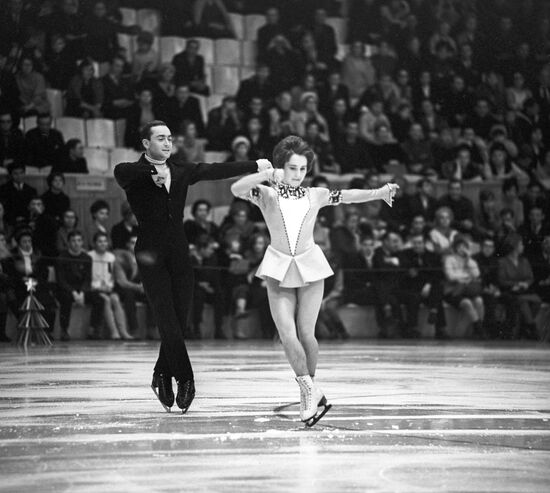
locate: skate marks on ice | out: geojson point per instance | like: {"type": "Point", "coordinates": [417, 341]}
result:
{"type": "Point", "coordinates": [405, 418]}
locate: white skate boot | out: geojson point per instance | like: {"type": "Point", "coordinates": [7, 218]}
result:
{"type": "Point", "coordinates": [309, 401]}
{"type": "Point", "coordinates": [321, 400]}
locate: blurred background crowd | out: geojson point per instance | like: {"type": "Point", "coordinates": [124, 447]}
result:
{"type": "Point", "coordinates": [449, 98]}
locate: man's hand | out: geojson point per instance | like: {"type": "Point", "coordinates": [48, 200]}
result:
{"type": "Point", "coordinates": [264, 164]}
{"type": "Point", "coordinates": [159, 179]}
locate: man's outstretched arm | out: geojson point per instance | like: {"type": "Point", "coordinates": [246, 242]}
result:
{"type": "Point", "coordinates": [219, 171]}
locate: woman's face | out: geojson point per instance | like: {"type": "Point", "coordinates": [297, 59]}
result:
{"type": "Point", "coordinates": [102, 215]}
{"type": "Point", "coordinates": [26, 66]}
{"type": "Point", "coordinates": [145, 97]}
{"type": "Point", "coordinates": [444, 219]}
{"type": "Point", "coordinates": [259, 244]}
{"type": "Point", "coordinates": [191, 131]}
{"type": "Point", "coordinates": [25, 243]}
{"type": "Point", "coordinates": [88, 71]}
{"type": "Point", "coordinates": [168, 73]}
{"type": "Point", "coordinates": [69, 220]}
{"type": "Point", "coordinates": [311, 105]}
{"type": "Point", "coordinates": [241, 151]}
{"type": "Point", "coordinates": [295, 170]}
{"type": "Point", "coordinates": [498, 157]}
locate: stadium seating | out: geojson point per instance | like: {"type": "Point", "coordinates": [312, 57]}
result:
{"type": "Point", "coordinates": [126, 41]}
{"type": "Point", "coordinates": [170, 46]}
{"type": "Point", "coordinates": [71, 128]}
{"type": "Point", "coordinates": [122, 155]}
{"type": "Point", "coordinates": [28, 123]}
{"type": "Point", "coordinates": [206, 50]}
{"type": "Point", "coordinates": [55, 98]}
{"type": "Point", "coordinates": [216, 156]}
{"type": "Point", "coordinates": [238, 24]}
{"type": "Point", "coordinates": [248, 55]}
{"type": "Point", "coordinates": [227, 52]}
{"type": "Point", "coordinates": [247, 72]}
{"type": "Point", "coordinates": [129, 16]}
{"type": "Point", "coordinates": [100, 132]}
{"type": "Point", "coordinates": [213, 101]}
{"type": "Point", "coordinates": [226, 79]}
{"type": "Point", "coordinates": [252, 23]}
{"type": "Point", "coordinates": [98, 160]}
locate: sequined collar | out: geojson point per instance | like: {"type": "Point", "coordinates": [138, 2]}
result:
{"type": "Point", "coordinates": [289, 192]}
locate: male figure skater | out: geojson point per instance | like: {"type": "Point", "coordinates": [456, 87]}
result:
{"type": "Point", "coordinates": [156, 189]}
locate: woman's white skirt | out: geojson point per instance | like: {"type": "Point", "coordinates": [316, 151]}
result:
{"type": "Point", "coordinates": [295, 271]}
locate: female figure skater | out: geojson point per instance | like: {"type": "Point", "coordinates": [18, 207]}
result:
{"type": "Point", "coordinates": [294, 267]}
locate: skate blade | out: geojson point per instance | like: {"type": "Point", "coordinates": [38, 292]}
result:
{"type": "Point", "coordinates": [166, 408]}
{"type": "Point", "coordinates": [312, 421]}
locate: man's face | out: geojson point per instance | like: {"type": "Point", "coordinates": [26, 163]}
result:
{"type": "Point", "coordinates": [256, 105]}
{"type": "Point", "coordinates": [102, 215]}
{"type": "Point", "coordinates": [455, 191]}
{"type": "Point", "coordinates": [488, 248]}
{"type": "Point", "coordinates": [36, 206]}
{"type": "Point", "coordinates": [418, 224]}
{"type": "Point", "coordinates": [240, 218]}
{"type": "Point", "coordinates": [202, 212]}
{"type": "Point", "coordinates": [57, 183]}
{"type": "Point", "coordinates": [367, 247]}
{"type": "Point", "coordinates": [272, 16]}
{"type": "Point", "coordinates": [263, 72]}
{"type": "Point", "coordinates": [417, 244]}
{"type": "Point", "coordinates": [76, 243]}
{"type": "Point", "coordinates": [25, 243]}
{"type": "Point", "coordinates": [101, 244]}
{"type": "Point", "coordinates": [44, 124]}
{"type": "Point", "coordinates": [17, 175]}
{"type": "Point", "coordinates": [69, 219]}
{"type": "Point", "coordinates": [416, 133]}
{"type": "Point", "coordinates": [192, 48]}
{"type": "Point", "coordinates": [352, 130]}
{"type": "Point", "coordinates": [6, 123]}
{"type": "Point", "coordinates": [182, 93]}
{"type": "Point", "coordinates": [536, 216]}
{"type": "Point", "coordinates": [392, 243]}
{"type": "Point", "coordinates": [320, 16]}
{"type": "Point", "coordinates": [482, 108]}
{"type": "Point", "coordinates": [159, 145]}
{"type": "Point", "coordinates": [444, 219]}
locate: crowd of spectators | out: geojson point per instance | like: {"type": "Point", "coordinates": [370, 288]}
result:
{"type": "Point", "coordinates": [427, 90]}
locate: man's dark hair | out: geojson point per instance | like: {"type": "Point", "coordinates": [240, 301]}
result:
{"type": "Point", "coordinates": [41, 116]}
{"type": "Point", "coordinates": [72, 143]}
{"type": "Point", "coordinates": [292, 145]}
{"type": "Point", "coordinates": [98, 235]}
{"type": "Point", "coordinates": [146, 131]}
{"type": "Point", "coordinates": [16, 165]}
{"type": "Point", "coordinates": [52, 175]}
{"type": "Point", "coordinates": [74, 233]}
{"type": "Point", "coordinates": [98, 205]}
{"type": "Point", "coordinates": [198, 203]}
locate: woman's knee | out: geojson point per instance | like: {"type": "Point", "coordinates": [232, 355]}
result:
{"type": "Point", "coordinates": [466, 304]}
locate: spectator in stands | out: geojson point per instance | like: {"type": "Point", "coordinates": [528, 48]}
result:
{"type": "Point", "coordinates": [9, 92]}
{"type": "Point", "coordinates": [510, 200]}
{"type": "Point", "coordinates": [239, 226]}
{"type": "Point", "coordinates": [32, 89]}
{"type": "Point", "coordinates": [310, 112]}
{"type": "Point", "coordinates": [541, 271]}
{"type": "Point", "coordinates": [73, 278]}
{"type": "Point", "coordinates": [68, 21]}
{"type": "Point", "coordinates": [283, 64]}
{"type": "Point", "coordinates": [422, 282]}
{"type": "Point", "coordinates": [224, 124]}
{"type": "Point", "coordinates": [462, 167]}
{"type": "Point", "coordinates": [260, 144]}
{"type": "Point", "coordinates": [542, 171]}
{"type": "Point", "coordinates": [357, 267]}
{"type": "Point", "coordinates": [492, 89]}
{"type": "Point", "coordinates": [358, 73]}
{"type": "Point", "coordinates": [212, 20]}
{"type": "Point", "coordinates": [418, 152]}
{"type": "Point", "coordinates": [43, 228]}
{"type": "Point", "coordinates": [200, 224]}
{"type": "Point", "coordinates": [385, 150]}
{"type": "Point", "coordinates": [515, 278]}
{"type": "Point", "coordinates": [322, 148]}
{"type": "Point", "coordinates": [309, 58]}
{"type": "Point", "coordinates": [467, 68]}
{"type": "Point", "coordinates": [118, 93]}
{"type": "Point", "coordinates": [432, 123]}
{"type": "Point", "coordinates": [257, 108]}
{"type": "Point", "coordinates": [101, 35]}
{"type": "Point", "coordinates": [337, 119]}
{"type": "Point", "coordinates": [5, 228]}
{"type": "Point", "coordinates": [364, 23]}
{"type": "Point", "coordinates": [423, 202]}
{"type": "Point", "coordinates": [68, 223]}
{"type": "Point", "coordinates": [122, 231]}
{"type": "Point", "coordinates": [143, 110]}
{"type": "Point", "coordinates": [55, 200]}
{"type": "Point", "coordinates": [257, 86]}
{"type": "Point", "coordinates": [528, 118]}
{"type": "Point", "coordinates": [192, 147]}
{"type": "Point", "coordinates": [184, 106]}
{"type": "Point", "coordinates": [128, 283]}
{"type": "Point", "coordinates": [532, 151]}
{"type": "Point", "coordinates": [482, 120]}
{"type": "Point", "coordinates": [73, 160]}
{"type": "Point", "coordinates": [100, 211]}
{"type": "Point", "coordinates": [442, 234]}
{"type": "Point", "coordinates": [240, 149]}
{"type": "Point", "coordinates": [103, 284]}
{"type": "Point", "coordinates": [12, 142]}
{"type": "Point", "coordinates": [387, 282]}
{"type": "Point", "coordinates": [16, 195]}
{"type": "Point", "coordinates": [145, 63]}
{"type": "Point", "coordinates": [331, 90]}
{"type": "Point", "coordinates": [59, 63]}
{"type": "Point", "coordinates": [517, 94]}
{"type": "Point", "coordinates": [442, 34]}
{"type": "Point", "coordinates": [500, 165]}
{"type": "Point", "coordinates": [324, 36]}
{"type": "Point", "coordinates": [487, 220]}
{"type": "Point", "coordinates": [24, 263]}
{"type": "Point", "coordinates": [85, 93]}
{"type": "Point", "coordinates": [353, 155]}
{"type": "Point", "coordinates": [371, 117]}
{"type": "Point", "coordinates": [462, 287]}
{"type": "Point", "coordinates": [268, 31]}
{"type": "Point", "coordinates": [283, 120]}
{"type": "Point", "coordinates": [461, 206]}
{"type": "Point", "coordinates": [189, 66]}
{"type": "Point", "coordinates": [384, 60]}
{"type": "Point", "coordinates": [165, 88]}
{"type": "Point", "coordinates": [44, 144]}
{"type": "Point", "coordinates": [533, 232]}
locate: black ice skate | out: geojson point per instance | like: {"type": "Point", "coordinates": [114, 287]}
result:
{"type": "Point", "coordinates": [186, 394]}
{"type": "Point", "coordinates": [162, 387]}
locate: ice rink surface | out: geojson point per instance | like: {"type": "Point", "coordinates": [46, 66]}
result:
{"type": "Point", "coordinates": [406, 417]}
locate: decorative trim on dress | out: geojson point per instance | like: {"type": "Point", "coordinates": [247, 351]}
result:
{"type": "Point", "coordinates": [290, 192]}
{"type": "Point", "coordinates": [335, 197]}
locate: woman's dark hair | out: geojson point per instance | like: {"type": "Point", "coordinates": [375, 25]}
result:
{"type": "Point", "coordinates": [511, 242]}
{"type": "Point", "coordinates": [198, 203]}
{"type": "Point", "coordinates": [74, 233]}
{"type": "Point", "coordinates": [52, 175]}
{"type": "Point", "coordinates": [146, 131]}
{"type": "Point", "coordinates": [292, 145]}
{"type": "Point", "coordinates": [98, 205]}
{"type": "Point", "coordinates": [85, 63]}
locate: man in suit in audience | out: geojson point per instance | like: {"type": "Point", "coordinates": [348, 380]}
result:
{"type": "Point", "coordinates": [44, 144]}
{"type": "Point", "coordinates": [125, 229]}
{"type": "Point", "coordinates": [156, 189]}
{"type": "Point", "coordinates": [189, 67]}
{"type": "Point", "coordinates": [16, 195]}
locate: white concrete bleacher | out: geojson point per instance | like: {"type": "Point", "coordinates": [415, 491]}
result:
{"type": "Point", "coordinates": [171, 46]}
{"type": "Point", "coordinates": [339, 24]}
{"type": "Point", "coordinates": [225, 79]}
{"type": "Point", "coordinates": [149, 20]}
{"type": "Point", "coordinates": [237, 20]}
{"type": "Point", "coordinates": [71, 128]}
{"type": "Point", "coordinates": [55, 98]}
{"type": "Point", "coordinates": [227, 52]}
{"type": "Point", "coordinates": [252, 22]}
{"type": "Point", "coordinates": [98, 160]}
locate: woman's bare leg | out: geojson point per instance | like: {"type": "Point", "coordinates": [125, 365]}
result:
{"type": "Point", "coordinates": [309, 304]}
{"type": "Point", "coordinates": [282, 302]}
